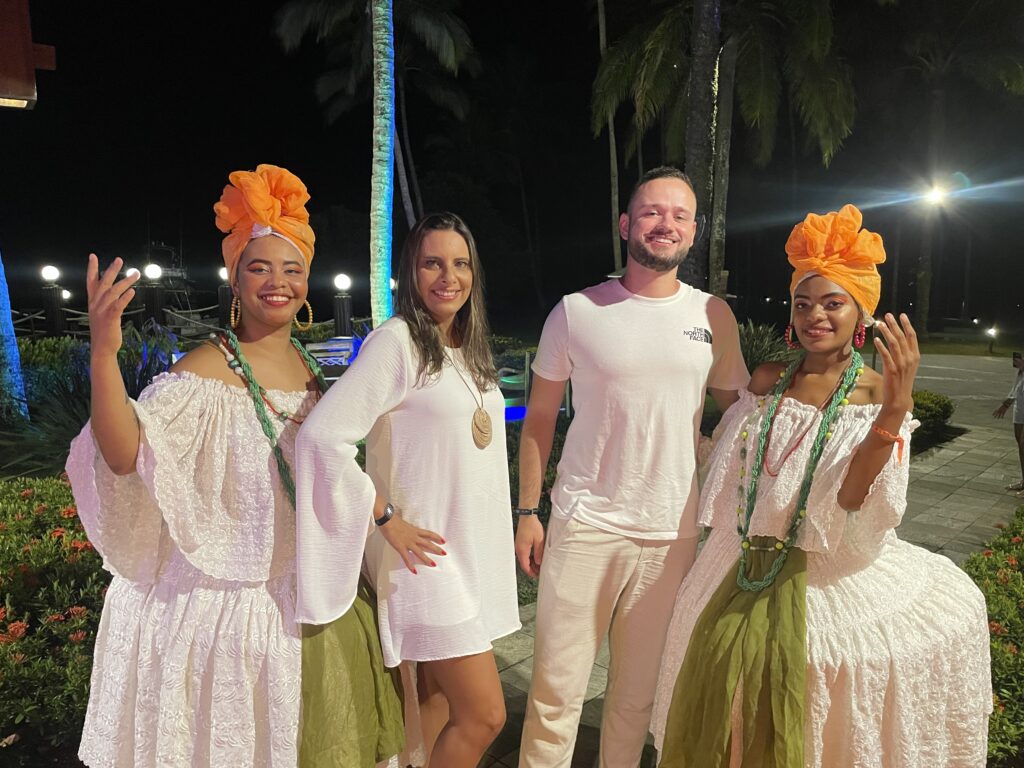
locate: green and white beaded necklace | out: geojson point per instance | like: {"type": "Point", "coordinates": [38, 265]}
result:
{"type": "Point", "coordinates": [259, 399]}
{"type": "Point", "coordinates": [748, 492]}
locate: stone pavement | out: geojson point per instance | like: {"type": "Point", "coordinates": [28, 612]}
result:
{"type": "Point", "coordinates": [955, 499]}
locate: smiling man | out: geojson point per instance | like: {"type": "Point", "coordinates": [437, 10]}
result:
{"type": "Point", "coordinates": [641, 352]}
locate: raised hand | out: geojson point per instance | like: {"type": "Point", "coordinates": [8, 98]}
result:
{"type": "Point", "coordinates": [107, 301]}
{"type": "Point", "coordinates": [900, 358]}
{"type": "Point", "coordinates": [409, 541]}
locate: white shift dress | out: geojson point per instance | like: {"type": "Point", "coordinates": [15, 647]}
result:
{"type": "Point", "coordinates": [421, 457]}
{"type": "Point", "coordinates": [897, 637]}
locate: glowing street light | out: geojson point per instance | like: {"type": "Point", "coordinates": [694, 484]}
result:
{"type": "Point", "coordinates": [222, 273]}
{"type": "Point", "coordinates": [342, 281]}
{"type": "Point", "coordinates": [936, 195]}
{"type": "Point", "coordinates": [131, 272]}
{"type": "Point", "coordinates": [65, 294]}
{"type": "Point", "coordinates": [991, 333]}
{"type": "Point", "coordinates": [394, 284]}
{"type": "Point", "coordinates": [152, 271]}
{"type": "Point", "coordinates": [50, 273]}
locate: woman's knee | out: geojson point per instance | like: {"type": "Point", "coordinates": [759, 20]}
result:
{"type": "Point", "coordinates": [485, 718]}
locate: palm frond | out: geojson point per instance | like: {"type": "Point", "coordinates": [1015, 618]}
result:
{"type": "Point", "coordinates": [663, 57]}
{"type": "Point", "coordinates": [318, 18]}
{"type": "Point", "coordinates": [824, 98]}
{"type": "Point", "coordinates": [615, 77]}
{"type": "Point", "coordinates": [443, 93]}
{"type": "Point", "coordinates": [759, 88]}
{"type": "Point", "coordinates": [810, 28]}
{"type": "Point", "coordinates": [441, 32]}
{"type": "Point", "coordinates": [1001, 68]}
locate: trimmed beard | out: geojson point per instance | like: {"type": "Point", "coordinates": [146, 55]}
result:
{"type": "Point", "coordinates": [639, 253]}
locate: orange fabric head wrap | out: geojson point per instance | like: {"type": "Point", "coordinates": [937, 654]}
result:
{"type": "Point", "coordinates": [835, 247]}
{"type": "Point", "coordinates": [269, 197]}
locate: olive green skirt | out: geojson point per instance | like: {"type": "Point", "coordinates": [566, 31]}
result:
{"type": "Point", "coordinates": [351, 703]}
{"type": "Point", "coordinates": [748, 651]}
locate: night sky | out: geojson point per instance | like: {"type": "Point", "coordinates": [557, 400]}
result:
{"type": "Point", "coordinates": [152, 106]}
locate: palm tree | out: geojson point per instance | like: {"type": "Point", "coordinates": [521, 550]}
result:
{"type": "Point", "coordinates": [613, 158]}
{"type": "Point", "coordinates": [767, 45]}
{"type": "Point", "coordinates": [951, 45]}
{"type": "Point", "coordinates": [381, 182]}
{"type": "Point", "coordinates": [431, 46]}
{"type": "Point", "coordinates": [12, 386]}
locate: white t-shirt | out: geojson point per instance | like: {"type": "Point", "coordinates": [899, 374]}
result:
{"type": "Point", "coordinates": [639, 369]}
{"type": "Point", "coordinates": [1017, 395]}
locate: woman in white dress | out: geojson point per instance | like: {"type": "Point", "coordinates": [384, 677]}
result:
{"type": "Point", "coordinates": [188, 496]}
{"type": "Point", "coordinates": [807, 633]}
{"type": "Point", "coordinates": [433, 509]}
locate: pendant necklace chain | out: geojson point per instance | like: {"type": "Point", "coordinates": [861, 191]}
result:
{"type": "Point", "coordinates": [481, 425]}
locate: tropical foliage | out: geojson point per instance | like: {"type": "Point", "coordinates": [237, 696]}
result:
{"type": "Point", "coordinates": [12, 387]}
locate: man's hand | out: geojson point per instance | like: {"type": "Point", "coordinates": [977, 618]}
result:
{"type": "Point", "coordinates": [530, 545]}
{"type": "Point", "coordinates": [1000, 411]}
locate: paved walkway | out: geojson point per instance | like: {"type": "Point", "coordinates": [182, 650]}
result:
{"type": "Point", "coordinates": [955, 499]}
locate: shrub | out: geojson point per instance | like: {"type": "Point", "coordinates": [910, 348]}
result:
{"type": "Point", "coordinates": [762, 344]}
{"type": "Point", "coordinates": [932, 410]}
{"type": "Point", "coordinates": [47, 361]}
{"type": "Point", "coordinates": [51, 596]}
{"type": "Point", "coordinates": [997, 572]}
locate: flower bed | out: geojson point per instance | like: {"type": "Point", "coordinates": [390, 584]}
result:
{"type": "Point", "coordinates": [997, 572]}
{"type": "Point", "coordinates": [51, 594]}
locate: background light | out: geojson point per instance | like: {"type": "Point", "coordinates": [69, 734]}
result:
{"type": "Point", "coordinates": [974, 320]}
{"type": "Point", "coordinates": [342, 281]}
{"type": "Point", "coordinates": [223, 273]}
{"type": "Point", "coordinates": [131, 272]}
{"type": "Point", "coordinates": [65, 294]}
{"type": "Point", "coordinates": [394, 283]}
{"type": "Point", "coordinates": [50, 273]}
{"type": "Point", "coordinates": [991, 332]}
{"type": "Point", "coordinates": [152, 271]}
{"type": "Point", "coordinates": [935, 195]}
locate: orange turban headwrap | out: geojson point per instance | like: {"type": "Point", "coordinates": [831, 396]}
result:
{"type": "Point", "coordinates": [835, 247]}
{"type": "Point", "coordinates": [257, 203]}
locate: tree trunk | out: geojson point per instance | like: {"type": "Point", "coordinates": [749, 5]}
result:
{"type": "Point", "coordinates": [12, 386]}
{"type": "Point", "coordinates": [705, 45]}
{"type": "Point", "coordinates": [723, 141]}
{"type": "Point", "coordinates": [382, 164]}
{"type": "Point", "coordinates": [531, 241]}
{"type": "Point", "coordinates": [936, 130]}
{"type": "Point", "coordinates": [613, 159]}
{"type": "Point", "coordinates": [414, 178]}
{"type": "Point", "coordinates": [403, 184]}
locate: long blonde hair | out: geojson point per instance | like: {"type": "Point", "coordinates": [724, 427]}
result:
{"type": "Point", "coordinates": [470, 326]}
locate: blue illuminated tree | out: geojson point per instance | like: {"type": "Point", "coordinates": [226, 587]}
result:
{"type": "Point", "coordinates": [12, 386]}
{"type": "Point", "coordinates": [382, 183]}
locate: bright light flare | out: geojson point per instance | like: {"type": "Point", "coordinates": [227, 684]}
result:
{"type": "Point", "coordinates": [991, 332]}
{"type": "Point", "coordinates": [342, 281]}
{"type": "Point", "coordinates": [936, 195]}
{"type": "Point", "coordinates": [152, 271]}
{"type": "Point", "coordinates": [394, 284]}
{"type": "Point", "coordinates": [50, 273]}
{"type": "Point", "coordinates": [222, 273]}
{"type": "Point", "coordinates": [131, 272]}
{"type": "Point", "coordinates": [65, 294]}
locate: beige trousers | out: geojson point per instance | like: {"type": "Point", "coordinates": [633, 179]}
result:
{"type": "Point", "coordinates": [595, 583]}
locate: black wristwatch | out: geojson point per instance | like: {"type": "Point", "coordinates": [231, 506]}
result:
{"type": "Point", "coordinates": [389, 512]}
{"type": "Point", "coordinates": [520, 511]}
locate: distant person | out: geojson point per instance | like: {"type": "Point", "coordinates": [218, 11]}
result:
{"type": "Point", "coordinates": [188, 496]}
{"type": "Point", "coordinates": [424, 394]}
{"type": "Point", "coordinates": [1016, 399]}
{"type": "Point", "coordinates": [641, 352]}
{"type": "Point", "coordinates": [808, 635]}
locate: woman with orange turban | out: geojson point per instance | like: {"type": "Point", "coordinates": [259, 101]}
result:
{"type": "Point", "coordinates": [807, 633]}
{"type": "Point", "coordinates": [189, 497]}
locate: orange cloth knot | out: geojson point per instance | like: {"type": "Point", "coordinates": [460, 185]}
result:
{"type": "Point", "coordinates": [835, 247]}
{"type": "Point", "coordinates": [270, 197]}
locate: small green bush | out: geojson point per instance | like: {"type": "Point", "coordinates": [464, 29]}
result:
{"type": "Point", "coordinates": [997, 572]}
{"type": "Point", "coordinates": [763, 344]}
{"type": "Point", "coordinates": [933, 410]}
{"type": "Point", "coordinates": [51, 595]}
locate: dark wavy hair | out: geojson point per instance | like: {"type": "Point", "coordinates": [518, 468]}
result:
{"type": "Point", "coordinates": [469, 328]}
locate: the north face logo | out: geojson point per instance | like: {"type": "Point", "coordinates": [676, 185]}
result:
{"type": "Point", "coordinates": [698, 334]}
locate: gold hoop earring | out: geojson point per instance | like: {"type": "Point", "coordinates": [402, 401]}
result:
{"type": "Point", "coordinates": [309, 323]}
{"type": "Point", "coordinates": [236, 311]}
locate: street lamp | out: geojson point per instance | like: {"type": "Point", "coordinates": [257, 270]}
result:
{"type": "Point", "coordinates": [50, 273]}
{"type": "Point", "coordinates": [222, 273]}
{"type": "Point", "coordinates": [991, 333]}
{"type": "Point", "coordinates": [224, 297]}
{"type": "Point", "coordinates": [153, 292]}
{"type": "Point", "coordinates": [152, 271]}
{"type": "Point", "coordinates": [342, 305]}
{"type": "Point", "coordinates": [394, 284]}
{"type": "Point", "coordinates": [65, 294]}
{"type": "Point", "coordinates": [53, 301]}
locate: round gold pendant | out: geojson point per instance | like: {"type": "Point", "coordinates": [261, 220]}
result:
{"type": "Point", "coordinates": [481, 428]}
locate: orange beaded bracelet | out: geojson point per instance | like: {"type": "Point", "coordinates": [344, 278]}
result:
{"type": "Point", "coordinates": [891, 438]}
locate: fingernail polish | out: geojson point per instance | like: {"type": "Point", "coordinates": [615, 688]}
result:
{"type": "Point", "coordinates": [443, 552]}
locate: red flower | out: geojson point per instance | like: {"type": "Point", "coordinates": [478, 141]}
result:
{"type": "Point", "coordinates": [3, 613]}
{"type": "Point", "coordinates": [69, 512]}
{"type": "Point", "coordinates": [996, 628]}
{"type": "Point", "coordinates": [77, 636]}
{"type": "Point", "coordinates": [987, 553]}
{"type": "Point", "coordinates": [79, 545]}
{"type": "Point", "coordinates": [3, 526]}
{"type": "Point", "coordinates": [1016, 539]}
{"type": "Point", "coordinates": [54, 617]}
{"type": "Point", "coordinates": [27, 493]}
{"type": "Point", "coordinates": [40, 508]}
{"type": "Point", "coordinates": [78, 611]}
{"type": "Point", "coordinates": [18, 516]}
{"type": "Point", "coordinates": [1011, 561]}
{"type": "Point", "coordinates": [73, 558]}
{"type": "Point", "coordinates": [17, 629]}
{"type": "Point", "coordinates": [1003, 576]}
{"type": "Point", "coordinates": [1013, 649]}
{"type": "Point", "coordinates": [57, 532]}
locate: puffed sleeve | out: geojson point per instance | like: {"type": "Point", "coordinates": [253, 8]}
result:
{"type": "Point", "coordinates": [186, 488]}
{"type": "Point", "coordinates": [333, 496]}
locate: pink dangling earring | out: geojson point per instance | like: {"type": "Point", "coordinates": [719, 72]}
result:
{"type": "Point", "coordinates": [788, 336]}
{"type": "Point", "coordinates": [859, 336]}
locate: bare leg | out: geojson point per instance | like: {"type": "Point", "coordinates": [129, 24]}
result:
{"type": "Point", "coordinates": [476, 706]}
{"type": "Point", "coordinates": [433, 705]}
{"type": "Point", "coordinates": [1018, 432]}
